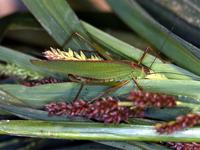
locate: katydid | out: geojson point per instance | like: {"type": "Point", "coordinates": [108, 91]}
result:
{"type": "Point", "coordinates": [97, 71]}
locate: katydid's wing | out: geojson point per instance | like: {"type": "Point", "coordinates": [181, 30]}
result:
{"type": "Point", "coordinates": [105, 70]}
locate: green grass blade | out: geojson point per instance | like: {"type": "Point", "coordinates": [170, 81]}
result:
{"type": "Point", "coordinates": [131, 53]}
{"type": "Point", "coordinates": [9, 104]}
{"type": "Point", "coordinates": [24, 28]}
{"type": "Point", "coordinates": [133, 145]}
{"type": "Point", "coordinates": [148, 145]}
{"type": "Point", "coordinates": [117, 46]}
{"type": "Point", "coordinates": [29, 113]}
{"type": "Point", "coordinates": [43, 94]}
{"type": "Point", "coordinates": [23, 60]}
{"type": "Point", "coordinates": [120, 145]}
{"type": "Point", "coordinates": [15, 106]}
{"type": "Point", "coordinates": [7, 99]}
{"type": "Point", "coordinates": [166, 114]}
{"type": "Point", "coordinates": [175, 48]}
{"type": "Point", "coordinates": [173, 87]}
{"type": "Point", "coordinates": [186, 11]}
{"type": "Point", "coordinates": [58, 19]}
{"type": "Point", "coordinates": [9, 143]}
{"type": "Point", "coordinates": [183, 19]}
{"type": "Point", "coordinates": [93, 131]}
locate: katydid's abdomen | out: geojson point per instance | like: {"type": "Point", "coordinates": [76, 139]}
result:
{"type": "Point", "coordinates": [101, 70]}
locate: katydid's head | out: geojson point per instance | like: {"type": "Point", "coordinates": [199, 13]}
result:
{"type": "Point", "coordinates": [140, 67]}
{"type": "Point", "coordinates": [138, 70]}
{"type": "Point", "coordinates": [142, 74]}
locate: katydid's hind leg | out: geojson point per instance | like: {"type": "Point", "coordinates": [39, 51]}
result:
{"type": "Point", "coordinates": [83, 38]}
{"type": "Point", "coordinates": [111, 89]}
{"type": "Point", "coordinates": [144, 54]}
{"type": "Point", "coordinates": [76, 34]}
{"type": "Point", "coordinates": [138, 86]}
{"type": "Point", "coordinates": [156, 56]}
{"type": "Point", "coordinates": [79, 91]}
{"type": "Point", "coordinates": [97, 48]}
{"type": "Point", "coordinates": [164, 42]}
{"type": "Point", "coordinates": [67, 40]}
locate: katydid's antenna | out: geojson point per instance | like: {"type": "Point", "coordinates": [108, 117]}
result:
{"type": "Point", "coordinates": [164, 42]}
{"type": "Point", "coordinates": [163, 72]}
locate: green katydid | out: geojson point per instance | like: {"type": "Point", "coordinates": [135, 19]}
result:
{"type": "Point", "coordinates": [98, 71]}
{"type": "Point", "coordinates": [102, 70]}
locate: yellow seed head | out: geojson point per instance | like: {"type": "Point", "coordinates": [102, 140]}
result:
{"type": "Point", "coordinates": [57, 54]}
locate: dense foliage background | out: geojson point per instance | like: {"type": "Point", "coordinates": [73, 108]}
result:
{"type": "Point", "coordinates": [119, 30]}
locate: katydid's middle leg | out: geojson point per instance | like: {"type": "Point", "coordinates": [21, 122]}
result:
{"type": "Point", "coordinates": [79, 91]}
{"type": "Point", "coordinates": [136, 83]}
{"type": "Point", "coordinates": [77, 79]}
{"type": "Point", "coordinates": [111, 89]}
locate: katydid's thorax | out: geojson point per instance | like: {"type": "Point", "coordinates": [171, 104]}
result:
{"type": "Point", "coordinates": [138, 71]}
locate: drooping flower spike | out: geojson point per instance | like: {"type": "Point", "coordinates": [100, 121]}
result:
{"type": "Point", "coordinates": [109, 110]}
{"type": "Point", "coordinates": [182, 146]}
{"type": "Point", "coordinates": [104, 109]}
{"type": "Point", "coordinates": [148, 99]}
{"type": "Point", "coordinates": [49, 80]}
{"type": "Point", "coordinates": [180, 123]}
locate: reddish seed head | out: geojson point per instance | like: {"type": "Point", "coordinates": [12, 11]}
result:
{"type": "Point", "coordinates": [181, 122]}
{"type": "Point", "coordinates": [49, 80]}
{"type": "Point", "coordinates": [105, 109]}
{"type": "Point", "coordinates": [182, 146]}
{"type": "Point", "coordinates": [147, 99]}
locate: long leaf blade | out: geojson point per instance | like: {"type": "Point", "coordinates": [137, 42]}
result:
{"type": "Point", "coordinates": [23, 60]}
{"type": "Point", "coordinates": [93, 131]}
{"type": "Point", "coordinates": [44, 94]}
{"type": "Point", "coordinates": [58, 19]}
{"type": "Point", "coordinates": [174, 47]}
{"type": "Point", "coordinates": [131, 53]}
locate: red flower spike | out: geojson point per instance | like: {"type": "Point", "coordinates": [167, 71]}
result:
{"type": "Point", "coordinates": [49, 80]}
{"type": "Point", "coordinates": [181, 122]}
{"type": "Point", "coordinates": [182, 146]}
{"type": "Point", "coordinates": [105, 109]}
{"type": "Point", "coordinates": [147, 99]}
